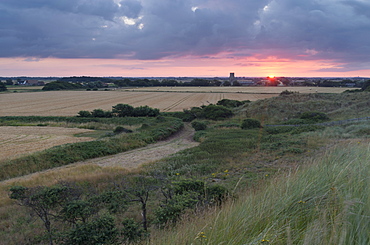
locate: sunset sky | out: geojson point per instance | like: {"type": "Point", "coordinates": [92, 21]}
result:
{"type": "Point", "coordinates": [208, 38]}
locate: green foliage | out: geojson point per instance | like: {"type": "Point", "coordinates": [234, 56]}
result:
{"type": "Point", "coordinates": [186, 185]}
{"type": "Point", "coordinates": [250, 123]}
{"type": "Point", "coordinates": [287, 92]}
{"type": "Point", "coordinates": [145, 111]}
{"type": "Point", "coordinates": [171, 211]}
{"type": "Point", "coordinates": [132, 231]}
{"type": "Point", "coordinates": [100, 113]}
{"type": "Point", "coordinates": [185, 115]}
{"type": "Point", "coordinates": [120, 129]}
{"type": "Point", "coordinates": [216, 112]}
{"type": "Point", "coordinates": [230, 103]}
{"type": "Point", "coordinates": [3, 87]}
{"type": "Point", "coordinates": [123, 110]}
{"type": "Point", "coordinates": [314, 116]}
{"type": "Point", "coordinates": [61, 85]}
{"type": "Point", "coordinates": [84, 114]}
{"type": "Point", "coordinates": [199, 125]}
{"type": "Point", "coordinates": [99, 231]}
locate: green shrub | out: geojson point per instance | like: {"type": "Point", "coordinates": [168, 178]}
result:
{"type": "Point", "coordinates": [250, 123]}
{"type": "Point", "coordinates": [287, 92]}
{"type": "Point", "coordinates": [132, 231]}
{"type": "Point", "coordinates": [99, 231]}
{"type": "Point", "coordinates": [216, 112]}
{"type": "Point", "coordinates": [199, 125]}
{"type": "Point", "coordinates": [199, 135]}
{"type": "Point", "coordinates": [230, 103]}
{"type": "Point", "coordinates": [121, 129]}
{"type": "Point", "coordinates": [84, 114]}
{"type": "Point", "coordinates": [314, 116]}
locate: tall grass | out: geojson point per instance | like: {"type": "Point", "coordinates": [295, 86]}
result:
{"type": "Point", "coordinates": [327, 202]}
{"type": "Point", "coordinates": [336, 106]}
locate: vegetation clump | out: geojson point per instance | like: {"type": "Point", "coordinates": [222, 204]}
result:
{"type": "Point", "coordinates": [122, 110]}
{"type": "Point", "coordinates": [250, 123]}
{"type": "Point", "coordinates": [199, 125]}
{"type": "Point", "coordinates": [314, 116]}
{"type": "Point", "coordinates": [3, 87]}
{"type": "Point", "coordinates": [61, 85]}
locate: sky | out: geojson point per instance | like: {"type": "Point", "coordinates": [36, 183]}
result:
{"type": "Point", "coordinates": [185, 38]}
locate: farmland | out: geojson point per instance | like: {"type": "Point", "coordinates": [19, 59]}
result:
{"type": "Point", "coordinates": [18, 141]}
{"type": "Point", "coordinates": [167, 99]}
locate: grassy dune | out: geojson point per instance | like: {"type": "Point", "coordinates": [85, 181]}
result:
{"type": "Point", "coordinates": [325, 201]}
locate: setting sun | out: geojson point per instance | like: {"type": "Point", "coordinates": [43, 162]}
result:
{"type": "Point", "coordinates": [271, 76]}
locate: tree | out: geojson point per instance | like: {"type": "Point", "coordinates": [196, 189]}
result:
{"type": "Point", "coordinates": [9, 82]}
{"type": "Point", "coordinates": [45, 202]}
{"type": "Point", "coordinates": [3, 87]}
{"type": "Point", "coordinates": [123, 110]}
{"type": "Point", "coordinates": [139, 187]}
{"type": "Point", "coordinates": [99, 231]}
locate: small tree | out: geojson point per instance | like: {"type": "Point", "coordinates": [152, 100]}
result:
{"type": "Point", "coordinates": [3, 87]}
{"type": "Point", "coordinates": [45, 202]}
{"type": "Point", "coordinates": [99, 231]}
{"type": "Point", "coordinates": [123, 110]}
{"type": "Point", "coordinates": [139, 187]}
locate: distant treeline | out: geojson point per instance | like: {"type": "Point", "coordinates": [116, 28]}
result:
{"type": "Point", "coordinates": [100, 82]}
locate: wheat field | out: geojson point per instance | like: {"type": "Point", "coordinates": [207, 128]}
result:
{"type": "Point", "coordinates": [18, 141]}
{"type": "Point", "coordinates": [69, 103]}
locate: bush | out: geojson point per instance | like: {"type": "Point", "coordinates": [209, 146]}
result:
{"type": "Point", "coordinates": [99, 231]}
{"type": "Point", "coordinates": [230, 103]}
{"type": "Point", "coordinates": [121, 129]}
{"type": "Point", "coordinates": [84, 114]}
{"type": "Point", "coordinates": [287, 92]}
{"type": "Point", "coordinates": [314, 116]}
{"type": "Point", "coordinates": [101, 113]}
{"type": "Point", "coordinates": [250, 123]}
{"type": "Point", "coordinates": [216, 112]}
{"type": "Point", "coordinates": [132, 231]}
{"type": "Point", "coordinates": [198, 125]}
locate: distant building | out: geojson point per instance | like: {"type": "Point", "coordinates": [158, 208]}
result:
{"type": "Point", "coordinates": [31, 83]}
{"type": "Point", "coordinates": [232, 77]}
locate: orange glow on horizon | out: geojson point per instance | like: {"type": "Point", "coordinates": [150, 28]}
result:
{"type": "Point", "coordinates": [184, 67]}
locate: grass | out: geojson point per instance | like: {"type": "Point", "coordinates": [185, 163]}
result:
{"type": "Point", "coordinates": [156, 129]}
{"type": "Point", "coordinates": [326, 201]}
{"type": "Point", "coordinates": [279, 194]}
{"type": "Point", "coordinates": [282, 108]}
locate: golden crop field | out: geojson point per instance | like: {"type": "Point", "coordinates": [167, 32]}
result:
{"type": "Point", "coordinates": [69, 103]}
{"type": "Point", "coordinates": [18, 141]}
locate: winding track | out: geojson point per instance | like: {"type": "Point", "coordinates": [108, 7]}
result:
{"type": "Point", "coordinates": [130, 159]}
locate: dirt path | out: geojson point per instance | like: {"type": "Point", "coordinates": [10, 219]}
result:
{"type": "Point", "coordinates": [130, 159]}
{"type": "Point", "coordinates": [135, 158]}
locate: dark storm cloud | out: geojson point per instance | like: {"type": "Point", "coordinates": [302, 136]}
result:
{"type": "Point", "coordinates": [147, 29]}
